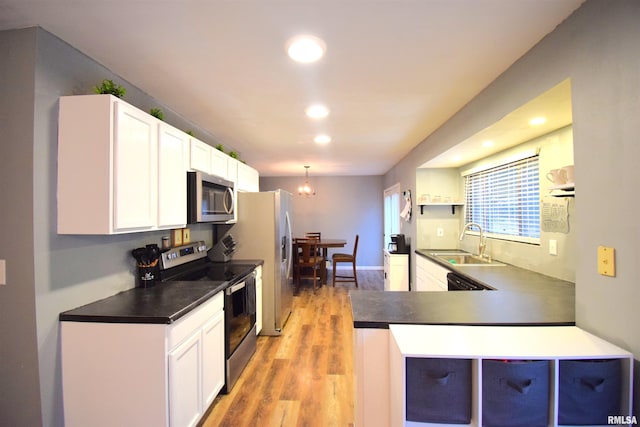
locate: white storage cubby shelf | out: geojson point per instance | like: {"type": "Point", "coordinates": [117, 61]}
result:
{"type": "Point", "coordinates": [479, 343]}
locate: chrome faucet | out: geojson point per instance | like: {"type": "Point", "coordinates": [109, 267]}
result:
{"type": "Point", "coordinates": [482, 244]}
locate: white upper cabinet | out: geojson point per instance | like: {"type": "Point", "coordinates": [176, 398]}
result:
{"type": "Point", "coordinates": [134, 172]}
{"type": "Point", "coordinates": [172, 178]}
{"type": "Point", "coordinates": [114, 161]}
{"type": "Point", "coordinates": [200, 156]}
{"type": "Point", "coordinates": [107, 166]}
{"type": "Point", "coordinates": [219, 164]}
{"type": "Point", "coordinates": [248, 178]}
{"type": "Point", "coordinates": [232, 169]}
{"type": "Point", "coordinates": [121, 170]}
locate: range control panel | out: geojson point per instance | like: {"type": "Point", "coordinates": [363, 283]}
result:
{"type": "Point", "coordinates": [183, 254]}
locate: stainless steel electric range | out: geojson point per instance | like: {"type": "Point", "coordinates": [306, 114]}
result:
{"type": "Point", "coordinates": [191, 263]}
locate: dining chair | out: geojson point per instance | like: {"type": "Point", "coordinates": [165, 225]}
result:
{"type": "Point", "coordinates": [314, 235]}
{"type": "Point", "coordinates": [346, 258]}
{"type": "Point", "coordinates": [308, 264]}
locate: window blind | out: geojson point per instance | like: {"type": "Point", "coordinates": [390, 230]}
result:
{"type": "Point", "coordinates": [505, 200]}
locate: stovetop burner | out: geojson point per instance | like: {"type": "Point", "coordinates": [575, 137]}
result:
{"type": "Point", "coordinates": [207, 270]}
{"type": "Point", "coordinates": [190, 263]}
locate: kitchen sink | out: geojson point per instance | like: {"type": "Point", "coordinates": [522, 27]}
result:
{"type": "Point", "coordinates": [461, 258]}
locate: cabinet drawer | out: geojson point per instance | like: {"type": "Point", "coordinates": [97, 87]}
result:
{"type": "Point", "coordinates": [184, 327]}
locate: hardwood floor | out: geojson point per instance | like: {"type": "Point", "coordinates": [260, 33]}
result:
{"type": "Point", "coordinates": [305, 376]}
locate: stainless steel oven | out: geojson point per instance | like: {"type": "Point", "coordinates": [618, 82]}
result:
{"type": "Point", "coordinates": [209, 198]}
{"type": "Point", "coordinates": [240, 326]}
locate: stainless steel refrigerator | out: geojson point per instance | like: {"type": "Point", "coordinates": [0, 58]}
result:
{"type": "Point", "coordinates": [263, 231]}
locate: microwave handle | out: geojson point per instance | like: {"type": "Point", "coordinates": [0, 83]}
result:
{"type": "Point", "coordinates": [228, 209]}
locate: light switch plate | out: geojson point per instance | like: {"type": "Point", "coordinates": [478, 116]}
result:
{"type": "Point", "coordinates": [606, 261]}
{"type": "Point", "coordinates": [176, 237]}
{"type": "Point", "coordinates": [3, 272]}
{"type": "Point", "coordinates": [440, 232]}
{"type": "Point", "coordinates": [553, 247]}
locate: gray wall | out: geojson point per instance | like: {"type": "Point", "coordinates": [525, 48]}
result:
{"type": "Point", "coordinates": [48, 273]}
{"type": "Point", "coordinates": [19, 382]}
{"type": "Point", "coordinates": [597, 48]}
{"type": "Point", "coordinates": [342, 207]}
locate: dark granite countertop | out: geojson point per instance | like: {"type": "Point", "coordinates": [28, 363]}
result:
{"type": "Point", "coordinates": [522, 297]}
{"type": "Point", "coordinates": [163, 303]}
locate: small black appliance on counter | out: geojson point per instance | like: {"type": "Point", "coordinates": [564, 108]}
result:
{"type": "Point", "coordinates": [398, 244]}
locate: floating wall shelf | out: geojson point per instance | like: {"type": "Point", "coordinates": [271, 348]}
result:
{"type": "Point", "coordinates": [453, 206]}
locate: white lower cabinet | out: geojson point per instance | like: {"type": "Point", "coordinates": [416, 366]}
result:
{"type": "Point", "coordinates": [396, 272]}
{"type": "Point", "coordinates": [371, 374]}
{"type": "Point", "coordinates": [212, 354]}
{"type": "Point", "coordinates": [506, 376]}
{"type": "Point", "coordinates": [185, 382]}
{"type": "Point", "coordinates": [258, 299]}
{"type": "Point", "coordinates": [133, 374]}
{"type": "Point", "coordinates": [430, 276]}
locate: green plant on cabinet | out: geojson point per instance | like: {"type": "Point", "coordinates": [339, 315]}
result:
{"type": "Point", "coordinates": [108, 87]}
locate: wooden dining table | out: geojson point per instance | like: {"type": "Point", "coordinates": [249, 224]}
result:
{"type": "Point", "coordinates": [325, 244]}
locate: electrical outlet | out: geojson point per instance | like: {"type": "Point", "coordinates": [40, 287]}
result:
{"type": "Point", "coordinates": [553, 247]}
{"type": "Point", "coordinates": [440, 232]}
{"type": "Point", "coordinates": [3, 272]}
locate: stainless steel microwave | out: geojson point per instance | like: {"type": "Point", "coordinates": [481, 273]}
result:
{"type": "Point", "coordinates": [209, 198]}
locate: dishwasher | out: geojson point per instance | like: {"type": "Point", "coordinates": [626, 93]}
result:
{"type": "Point", "coordinates": [457, 282]}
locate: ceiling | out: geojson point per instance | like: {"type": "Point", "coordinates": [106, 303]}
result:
{"type": "Point", "coordinates": [515, 128]}
{"type": "Point", "coordinates": [394, 70]}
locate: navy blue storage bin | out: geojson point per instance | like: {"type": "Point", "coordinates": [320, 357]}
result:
{"type": "Point", "coordinates": [438, 390]}
{"type": "Point", "coordinates": [515, 393]}
{"type": "Point", "coordinates": [590, 391]}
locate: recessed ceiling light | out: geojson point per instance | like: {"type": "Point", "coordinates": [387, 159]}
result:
{"type": "Point", "coordinates": [317, 111]}
{"type": "Point", "coordinates": [537, 121]}
{"type": "Point", "coordinates": [322, 139]}
{"type": "Point", "coordinates": [488, 143]}
{"type": "Point", "coordinates": [306, 48]}
{"type": "Point", "coordinates": [457, 158]}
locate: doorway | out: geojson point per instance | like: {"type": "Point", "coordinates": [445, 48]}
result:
{"type": "Point", "coordinates": [391, 212]}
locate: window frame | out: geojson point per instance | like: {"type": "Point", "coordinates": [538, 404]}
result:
{"type": "Point", "coordinates": [530, 163]}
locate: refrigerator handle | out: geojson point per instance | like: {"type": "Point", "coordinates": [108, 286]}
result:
{"type": "Point", "coordinates": [283, 248]}
{"type": "Point", "coordinates": [289, 242]}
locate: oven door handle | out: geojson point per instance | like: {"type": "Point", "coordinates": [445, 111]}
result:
{"type": "Point", "coordinates": [234, 288]}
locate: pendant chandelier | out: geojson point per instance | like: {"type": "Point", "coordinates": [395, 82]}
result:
{"type": "Point", "coordinates": [305, 189]}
